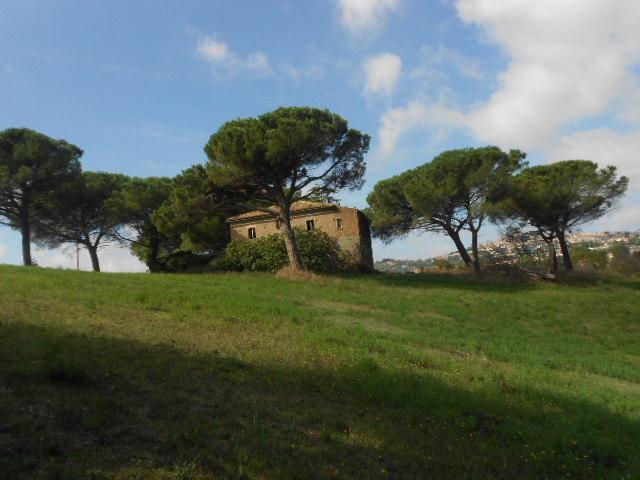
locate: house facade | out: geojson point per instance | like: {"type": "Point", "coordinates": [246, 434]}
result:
{"type": "Point", "coordinates": [348, 226]}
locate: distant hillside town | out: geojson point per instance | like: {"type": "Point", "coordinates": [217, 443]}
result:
{"type": "Point", "coordinates": [592, 240]}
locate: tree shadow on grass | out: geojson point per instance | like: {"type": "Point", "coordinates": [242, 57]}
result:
{"type": "Point", "coordinates": [78, 406]}
{"type": "Point", "coordinates": [494, 284]}
{"type": "Point", "coordinates": [460, 281]}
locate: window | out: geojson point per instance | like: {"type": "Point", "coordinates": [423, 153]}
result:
{"type": "Point", "coordinates": [339, 223]}
{"type": "Point", "coordinates": [311, 225]}
{"type": "Point", "coordinates": [252, 233]}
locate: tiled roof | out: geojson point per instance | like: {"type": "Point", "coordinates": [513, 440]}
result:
{"type": "Point", "coordinates": [299, 206]}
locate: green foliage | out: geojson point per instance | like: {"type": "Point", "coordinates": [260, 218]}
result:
{"type": "Point", "coordinates": [560, 196]}
{"type": "Point", "coordinates": [194, 214]}
{"type": "Point", "coordinates": [84, 212]}
{"type": "Point", "coordinates": [287, 154]}
{"type": "Point", "coordinates": [319, 253]}
{"type": "Point", "coordinates": [137, 205]}
{"type": "Point", "coordinates": [621, 259]}
{"type": "Point", "coordinates": [265, 254]}
{"type": "Point", "coordinates": [287, 150]}
{"type": "Point", "coordinates": [443, 264]}
{"type": "Point", "coordinates": [390, 212]}
{"type": "Point", "coordinates": [33, 167]}
{"type": "Point", "coordinates": [186, 261]}
{"type": "Point", "coordinates": [584, 256]}
{"type": "Point", "coordinates": [459, 183]}
{"type": "Point", "coordinates": [447, 195]}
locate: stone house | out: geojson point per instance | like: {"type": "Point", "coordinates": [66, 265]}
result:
{"type": "Point", "coordinates": [348, 226]}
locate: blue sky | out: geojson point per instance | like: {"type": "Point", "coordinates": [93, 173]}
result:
{"type": "Point", "coordinates": [140, 86]}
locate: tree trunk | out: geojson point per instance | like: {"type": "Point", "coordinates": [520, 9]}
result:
{"type": "Point", "coordinates": [154, 251]}
{"type": "Point", "coordinates": [564, 248]}
{"type": "Point", "coordinates": [553, 259]}
{"type": "Point", "coordinates": [292, 246]}
{"type": "Point", "coordinates": [474, 252]}
{"type": "Point", "coordinates": [93, 253]}
{"type": "Point", "coordinates": [25, 230]}
{"type": "Point", "coordinates": [455, 236]}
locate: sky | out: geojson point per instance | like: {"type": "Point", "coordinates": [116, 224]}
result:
{"type": "Point", "coordinates": [140, 86]}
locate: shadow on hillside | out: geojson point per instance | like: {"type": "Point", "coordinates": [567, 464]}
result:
{"type": "Point", "coordinates": [595, 279]}
{"type": "Point", "coordinates": [454, 281]}
{"type": "Point", "coordinates": [77, 406]}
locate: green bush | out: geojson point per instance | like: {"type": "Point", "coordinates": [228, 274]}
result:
{"type": "Point", "coordinates": [443, 264]}
{"type": "Point", "coordinates": [320, 253]}
{"type": "Point", "coordinates": [186, 261]}
{"type": "Point", "coordinates": [621, 259]}
{"type": "Point", "coordinates": [584, 256]}
{"type": "Point", "coordinates": [266, 254]}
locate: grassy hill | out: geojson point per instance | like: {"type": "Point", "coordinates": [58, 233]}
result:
{"type": "Point", "coordinates": [250, 376]}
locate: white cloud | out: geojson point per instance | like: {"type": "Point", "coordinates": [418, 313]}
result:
{"type": "Point", "coordinates": [258, 62]}
{"type": "Point", "coordinates": [3, 250]}
{"type": "Point", "coordinates": [626, 216]}
{"type": "Point", "coordinates": [397, 121]}
{"type": "Point", "coordinates": [433, 57]}
{"type": "Point", "coordinates": [365, 16]}
{"type": "Point", "coordinates": [569, 60]}
{"type": "Point", "coordinates": [382, 73]}
{"type": "Point", "coordinates": [112, 259]}
{"type": "Point", "coordinates": [311, 72]}
{"type": "Point", "coordinates": [226, 62]}
{"type": "Point", "coordinates": [605, 146]}
{"type": "Point", "coordinates": [213, 50]}
{"type": "Point", "coordinates": [608, 147]}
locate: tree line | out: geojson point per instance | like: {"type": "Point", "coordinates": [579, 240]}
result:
{"type": "Point", "coordinates": [269, 162]}
{"type": "Point", "coordinates": [460, 190]}
{"type": "Point", "coordinates": [263, 163]}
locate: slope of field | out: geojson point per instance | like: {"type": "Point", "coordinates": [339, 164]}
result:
{"type": "Point", "coordinates": [250, 376]}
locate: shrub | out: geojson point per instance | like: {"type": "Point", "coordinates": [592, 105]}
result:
{"type": "Point", "coordinates": [442, 264]}
{"type": "Point", "coordinates": [184, 261]}
{"type": "Point", "coordinates": [584, 256]}
{"type": "Point", "coordinates": [265, 254]}
{"type": "Point", "coordinates": [319, 252]}
{"type": "Point", "coordinates": [621, 260]}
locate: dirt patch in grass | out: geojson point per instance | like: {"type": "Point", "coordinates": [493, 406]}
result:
{"type": "Point", "coordinates": [346, 307]}
{"type": "Point", "coordinates": [289, 273]}
{"type": "Point", "coordinates": [367, 323]}
{"type": "Point", "coordinates": [433, 316]}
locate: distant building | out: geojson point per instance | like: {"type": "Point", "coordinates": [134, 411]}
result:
{"type": "Point", "coordinates": [348, 226]}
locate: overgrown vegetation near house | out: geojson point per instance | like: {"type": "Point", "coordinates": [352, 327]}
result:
{"type": "Point", "coordinates": [135, 376]}
{"type": "Point", "coordinates": [319, 252]}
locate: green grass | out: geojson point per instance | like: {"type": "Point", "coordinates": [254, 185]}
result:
{"type": "Point", "coordinates": [249, 376]}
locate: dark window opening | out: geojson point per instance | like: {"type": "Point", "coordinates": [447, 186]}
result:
{"type": "Point", "coordinates": [311, 225]}
{"type": "Point", "coordinates": [339, 223]}
{"type": "Point", "coordinates": [252, 233]}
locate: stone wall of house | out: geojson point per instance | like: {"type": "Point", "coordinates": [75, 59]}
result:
{"type": "Point", "coordinates": [353, 237]}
